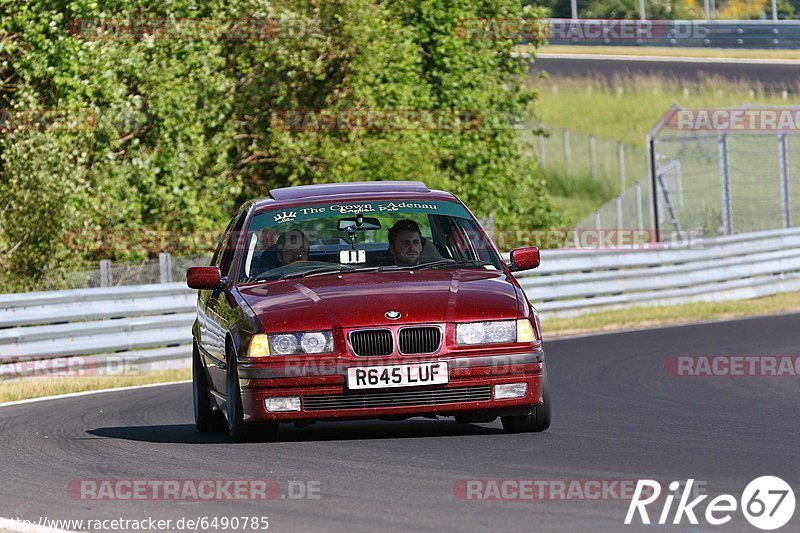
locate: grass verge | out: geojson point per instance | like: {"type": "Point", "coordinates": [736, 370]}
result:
{"type": "Point", "coordinates": [23, 389]}
{"type": "Point", "coordinates": [625, 108]}
{"type": "Point", "coordinates": [644, 317]}
{"type": "Point", "coordinates": [658, 51]}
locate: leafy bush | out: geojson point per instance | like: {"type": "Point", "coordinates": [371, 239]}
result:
{"type": "Point", "coordinates": [184, 129]}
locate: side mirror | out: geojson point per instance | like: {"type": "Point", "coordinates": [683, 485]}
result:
{"type": "Point", "coordinates": [203, 278]}
{"type": "Point", "coordinates": [524, 258]}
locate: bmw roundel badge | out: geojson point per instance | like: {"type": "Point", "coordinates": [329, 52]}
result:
{"type": "Point", "coordinates": [392, 315]}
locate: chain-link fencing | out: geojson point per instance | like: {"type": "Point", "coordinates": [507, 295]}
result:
{"type": "Point", "coordinates": [165, 269]}
{"type": "Point", "coordinates": [737, 173]}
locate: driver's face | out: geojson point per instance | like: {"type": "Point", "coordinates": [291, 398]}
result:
{"type": "Point", "coordinates": [406, 248]}
{"type": "Point", "coordinates": [294, 249]}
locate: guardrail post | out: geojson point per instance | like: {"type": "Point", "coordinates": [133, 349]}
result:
{"type": "Point", "coordinates": [621, 154]}
{"type": "Point", "coordinates": [106, 277]}
{"type": "Point", "coordinates": [165, 267]}
{"type": "Point", "coordinates": [542, 156]}
{"type": "Point", "coordinates": [593, 156]}
{"type": "Point", "coordinates": [724, 172]}
{"type": "Point", "coordinates": [783, 163]}
{"type": "Point", "coordinates": [567, 156]}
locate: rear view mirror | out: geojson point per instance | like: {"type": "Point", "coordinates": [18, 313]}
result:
{"type": "Point", "coordinates": [203, 278]}
{"type": "Point", "coordinates": [524, 258]}
{"type": "Point", "coordinates": [359, 223]}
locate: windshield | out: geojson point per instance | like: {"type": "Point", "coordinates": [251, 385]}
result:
{"type": "Point", "coordinates": [365, 236]}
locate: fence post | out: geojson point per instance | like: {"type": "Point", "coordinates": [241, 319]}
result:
{"type": "Point", "coordinates": [542, 156]}
{"type": "Point", "coordinates": [652, 169]}
{"type": "Point", "coordinates": [165, 267]}
{"type": "Point", "coordinates": [566, 151]}
{"type": "Point", "coordinates": [618, 202]}
{"type": "Point", "coordinates": [639, 213]}
{"type": "Point", "coordinates": [783, 162]}
{"type": "Point", "coordinates": [621, 154]}
{"type": "Point", "coordinates": [724, 172]}
{"type": "Point", "coordinates": [593, 156]}
{"type": "Point", "coordinates": [597, 221]}
{"type": "Point", "coordinates": [106, 278]}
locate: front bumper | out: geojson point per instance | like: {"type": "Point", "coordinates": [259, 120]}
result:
{"type": "Point", "coordinates": [321, 385]}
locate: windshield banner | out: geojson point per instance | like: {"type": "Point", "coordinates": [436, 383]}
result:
{"type": "Point", "coordinates": [276, 218]}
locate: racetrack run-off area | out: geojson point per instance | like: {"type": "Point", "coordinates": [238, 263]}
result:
{"type": "Point", "coordinates": [772, 74]}
{"type": "Point", "coordinates": [618, 415]}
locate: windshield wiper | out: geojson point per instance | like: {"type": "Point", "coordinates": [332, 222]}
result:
{"type": "Point", "coordinates": [446, 263]}
{"type": "Point", "coordinates": [319, 271]}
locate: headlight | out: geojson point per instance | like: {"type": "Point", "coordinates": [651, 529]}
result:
{"type": "Point", "coordinates": [487, 332]}
{"type": "Point", "coordinates": [300, 343]}
{"type": "Point", "coordinates": [525, 331]}
{"type": "Point", "coordinates": [259, 346]}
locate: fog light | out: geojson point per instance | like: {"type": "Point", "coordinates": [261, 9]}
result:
{"type": "Point", "coordinates": [287, 403]}
{"type": "Point", "coordinates": [510, 390]}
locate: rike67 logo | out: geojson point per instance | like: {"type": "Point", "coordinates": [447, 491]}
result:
{"type": "Point", "coordinates": [767, 502]}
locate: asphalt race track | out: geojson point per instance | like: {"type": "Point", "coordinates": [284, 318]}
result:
{"type": "Point", "coordinates": [775, 76]}
{"type": "Point", "coordinates": [618, 415]}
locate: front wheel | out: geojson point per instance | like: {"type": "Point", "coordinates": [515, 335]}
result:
{"type": "Point", "coordinates": [537, 420]}
{"type": "Point", "coordinates": [238, 429]}
{"type": "Point", "coordinates": [206, 419]}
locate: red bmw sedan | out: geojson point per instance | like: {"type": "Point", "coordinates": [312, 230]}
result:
{"type": "Point", "coordinates": [363, 300]}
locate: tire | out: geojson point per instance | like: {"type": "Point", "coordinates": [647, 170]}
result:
{"type": "Point", "coordinates": [535, 421]}
{"type": "Point", "coordinates": [238, 429]}
{"type": "Point", "coordinates": [206, 419]}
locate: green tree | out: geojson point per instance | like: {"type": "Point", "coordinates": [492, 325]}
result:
{"type": "Point", "coordinates": [185, 128]}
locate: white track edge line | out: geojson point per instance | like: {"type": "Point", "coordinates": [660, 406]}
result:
{"type": "Point", "coordinates": [90, 392]}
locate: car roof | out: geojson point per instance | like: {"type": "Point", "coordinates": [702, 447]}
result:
{"type": "Point", "coordinates": [356, 190]}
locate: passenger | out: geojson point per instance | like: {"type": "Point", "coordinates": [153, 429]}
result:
{"type": "Point", "coordinates": [292, 247]}
{"type": "Point", "coordinates": [405, 242]}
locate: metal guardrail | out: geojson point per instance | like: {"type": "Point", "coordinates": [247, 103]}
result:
{"type": "Point", "coordinates": [151, 324]}
{"type": "Point", "coordinates": [737, 267]}
{"type": "Point", "coordinates": [677, 33]}
{"type": "Point", "coordinates": [145, 327]}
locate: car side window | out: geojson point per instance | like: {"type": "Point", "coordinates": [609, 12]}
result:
{"type": "Point", "coordinates": [215, 260]}
{"type": "Point", "coordinates": [231, 240]}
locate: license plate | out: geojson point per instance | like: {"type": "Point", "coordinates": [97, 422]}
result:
{"type": "Point", "coordinates": [408, 375]}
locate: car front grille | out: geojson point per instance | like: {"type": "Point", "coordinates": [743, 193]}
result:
{"type": "Point", "coordinates": [419, 340]}
{"type": "Point", "coordinates": [372, 342]}
{"type": "Point", "coordinates": [397, 398]}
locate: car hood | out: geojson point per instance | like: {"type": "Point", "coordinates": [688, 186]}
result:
{"type": "Point", "coordinates": [363, 299]}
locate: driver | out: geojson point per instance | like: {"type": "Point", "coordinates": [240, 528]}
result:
{"type": "Point", "coordinates": [405, 242]}
{"type": "Point", "coordinates": [292, 247]}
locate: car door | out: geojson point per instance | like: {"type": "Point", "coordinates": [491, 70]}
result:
{"type": "Point", "coordinates": [218, 308]}
{"type": "Point", "coordinates": [202, 339]}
